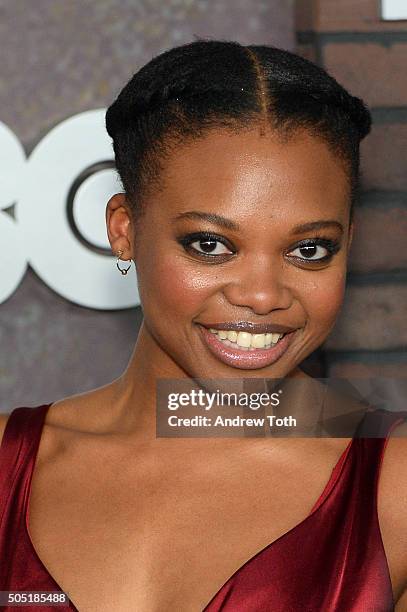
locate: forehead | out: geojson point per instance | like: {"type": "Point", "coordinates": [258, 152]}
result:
{"type": "Point", "coordinates": [248, 172]}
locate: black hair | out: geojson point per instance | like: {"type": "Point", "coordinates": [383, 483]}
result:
{"type": "Point", "coordinates": [186, 91]}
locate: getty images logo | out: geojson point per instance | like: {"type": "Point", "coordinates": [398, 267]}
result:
{"type": "Point", "coordinates": [55, 222]}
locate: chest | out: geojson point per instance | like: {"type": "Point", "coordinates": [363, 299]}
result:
{"type": "Point", "coordinates": [165, 533]}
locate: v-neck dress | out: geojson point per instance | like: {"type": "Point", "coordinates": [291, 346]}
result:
{"type": "Point", "coordinates": [333, 561]}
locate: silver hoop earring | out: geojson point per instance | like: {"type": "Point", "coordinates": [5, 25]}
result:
{"type": "Point", "coordinates": [122, 270]}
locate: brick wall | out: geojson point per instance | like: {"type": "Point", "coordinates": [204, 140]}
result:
{"type": "Point", "coordinates": [368, 56]}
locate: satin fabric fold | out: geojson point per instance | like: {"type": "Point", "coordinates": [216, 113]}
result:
{"type": "Point", "coordinates": [333, 561]}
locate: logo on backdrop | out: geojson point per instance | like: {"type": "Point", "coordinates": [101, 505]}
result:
{"type": "Point", "coordinates": [59, 193]}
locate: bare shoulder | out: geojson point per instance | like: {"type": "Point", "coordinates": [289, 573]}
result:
{"type": "Point", "coordinates": [393, 476]}
{"type": "Point", "coordinates": [73, 429]}
{"type": "Point", "coordinates": [392, 507]}
{"type": "Point", "coordinates": [91, 412]}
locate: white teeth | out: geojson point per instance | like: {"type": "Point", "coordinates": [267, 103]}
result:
{"type": "Point", "coordinates": [258, 340]}
{"type": "Point", "coordinates": [246, 340]}
{"type": "Point", "coordinates": [232, 336]}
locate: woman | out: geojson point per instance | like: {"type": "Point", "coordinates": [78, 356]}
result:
{"type": "Point", "coordinates": [240, 169]}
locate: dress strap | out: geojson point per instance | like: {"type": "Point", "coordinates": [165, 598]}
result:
{"type": "Point", "coordinates": [18, 450]}
{"type": "Point", "coordinates": [379, 423]}
{"type": "Point", "coordinates": [361, 462]}
{"type": "Point", "coordinates": [370, 441]}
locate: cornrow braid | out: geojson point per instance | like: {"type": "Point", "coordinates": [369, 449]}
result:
{"type": "Point", "coordinates": [190, 89]}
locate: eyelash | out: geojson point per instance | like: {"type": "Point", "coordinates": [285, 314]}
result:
{"type": "Point", "coordinates": [331, 245]}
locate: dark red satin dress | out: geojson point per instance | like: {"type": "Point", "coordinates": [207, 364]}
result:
{"type": "Point", "coordinates": [333, 561]}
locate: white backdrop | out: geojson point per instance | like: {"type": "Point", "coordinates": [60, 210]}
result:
{"type": "Point", "coordinates": [81, 267]}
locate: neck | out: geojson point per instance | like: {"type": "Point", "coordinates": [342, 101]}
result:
{"type": "Point", "coordinates": [134, 392]}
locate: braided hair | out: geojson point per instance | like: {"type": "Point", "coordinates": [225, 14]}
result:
{"type": "Point", "coordinates": [182, 93]}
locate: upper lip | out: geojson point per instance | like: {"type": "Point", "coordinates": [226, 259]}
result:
{"type": "Point", "coordinates": [253, 328]}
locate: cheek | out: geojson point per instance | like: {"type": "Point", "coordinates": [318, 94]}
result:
{"type": "Point", "coordinates": [175, 285]}
{"type": "Point", "coordinates": [323, 298]}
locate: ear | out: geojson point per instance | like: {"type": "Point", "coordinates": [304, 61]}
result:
{"type": "Point", "coordinates": [119, 225]}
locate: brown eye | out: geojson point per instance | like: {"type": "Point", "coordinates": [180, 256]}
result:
{"type": "Point", "coordinates": [320, 249]}
{"type": "Point", "coordinates": [205, 243]}
{"type": "Point", "coordinates": [210, 246]}
{"type": "Point", "coordinates": [312, 252]}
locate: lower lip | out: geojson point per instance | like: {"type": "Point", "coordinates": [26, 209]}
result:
{"type": "Point", "coordinates": [250, 360]}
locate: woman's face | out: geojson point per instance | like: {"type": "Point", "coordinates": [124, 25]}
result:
{"type": "Point", "coordinates": [247, 229]}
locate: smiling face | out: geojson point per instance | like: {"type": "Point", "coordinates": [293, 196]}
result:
{"type": "Point", "coordinates": [246, 229]}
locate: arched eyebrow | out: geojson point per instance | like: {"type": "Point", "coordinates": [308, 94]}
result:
{"type": "Point", "coordinates": [211, 217]}
{"type": "Point", "coordinates": [316, 225]}
{"type": "Point", "coordinates": [233, 226]}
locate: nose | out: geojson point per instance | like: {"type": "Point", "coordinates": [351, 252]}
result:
{"type": "Point", "coordinates": [261, 285]}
